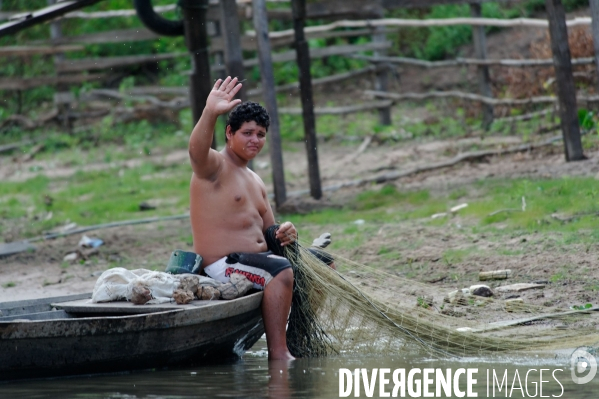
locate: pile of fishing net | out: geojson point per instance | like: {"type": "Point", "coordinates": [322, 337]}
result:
{"type": "Point", "coordinates": [362, 309]}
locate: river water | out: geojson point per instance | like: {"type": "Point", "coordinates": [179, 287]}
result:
{"type": "Point", "coordinates": [254, 377]}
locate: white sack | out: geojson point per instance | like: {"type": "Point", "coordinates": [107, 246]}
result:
{"type": "Point", "coordinates": [117, 284]}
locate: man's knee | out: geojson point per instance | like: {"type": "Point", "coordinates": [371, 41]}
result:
{"type": "Point", "coordinates": [285, 277]}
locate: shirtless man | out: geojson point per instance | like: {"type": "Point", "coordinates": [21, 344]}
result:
{"type": "Point", "coordinates": [230, 212]}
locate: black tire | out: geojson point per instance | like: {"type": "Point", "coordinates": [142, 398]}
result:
{"type": "Point", "coordinates": [155, 22]}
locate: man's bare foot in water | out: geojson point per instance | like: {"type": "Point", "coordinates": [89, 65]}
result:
{"type": "Point", "coordinates": [280, 355]}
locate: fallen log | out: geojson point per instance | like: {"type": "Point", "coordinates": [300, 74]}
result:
{"type": "Point", "coordinates": [28, 124]}
{"type": "Point", "coordinates": [320, 81]}
{"type": "Point", "coordinates": [525, 117]}
{"type": "Point", "coordinates": [176, 104]}
{"type": "Point", "coordinates": [498, 325]}
{"type": "Point", "coordinates": [93, 64]}
{"type": "Point", "coordinates": [350, 109]}
{"type": "Point", "coordinates": [180, 103]}
{"type": "Point", "coordinates": [14, 146]}
{"type": "Point", "coordinates": [469, 156]}
{"type": "Point", "coordinates": [475, 97]}
{"type": "Point", "coordinates": [426, 23]}
{"type": "Point", "coordinates": [248, 43]}
{"type": "Point", "coordinates": [351, 157]}
{"type": "Point", "coordinates": [462, 95]}
{"type": "Point", "coordinates": [12, 248]}
{"type": "Point", "coordinates": [566, 219]}
{"type": "Point", "coordinates": [26, 51]}
{"type": "Point", "coordinates": [470, 61]}
{"type": "Point", "coordinates": [21, 120]}
{"type": "Point", "coordinates": [89, 64]}
{"type": "Point", "coordinates": [106, 226]}
{"type": "Point", "coordinates": [184, 91]}
{"type": "Point", "coordinates": [495, 275]}
{"type": "Point", "coordinates": [31, 154]}
{"type": "Point", "coordinates": [30, 83]}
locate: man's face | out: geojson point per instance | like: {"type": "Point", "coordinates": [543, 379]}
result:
{"type": "Point", "coordinates": [247, 141]}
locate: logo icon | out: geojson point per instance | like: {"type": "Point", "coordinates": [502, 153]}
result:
{"type": "Point", "coordinates": [583, 365]}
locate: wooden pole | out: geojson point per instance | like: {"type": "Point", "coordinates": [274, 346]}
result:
{"type": "Point", "coordinates": [298, 9]}
{"type": "Point", "coordinates": [381, 82]}
{"type": "Point", "coordinates": [268, 83]}
{"type": "Point", "coordinates": [484, 79]}
{"type": "Point", "coordinates": [196, 39]}
{"type": "Point", "coordinates": [56, 34]}
{"type": "Point", "coordinates": [595, 26]}
{"type": "Point", "coordinates": [566, 89]}
{"type": "Point", "coordinates": [231, 34]}
{"type": "Point", "coordinates": [229, 28]}
{"type": "Point", "coordinates": [64, 109]}
{"type": "Point", "coordinates": [214, 33]}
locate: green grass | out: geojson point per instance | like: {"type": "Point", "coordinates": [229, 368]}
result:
{"type": "Point", "coordinates": [355, 125]}
{"type": "Point", "coordinates": [453, 256]}
{"type": "Point", "coordinates": [88, 198]}
{"type": "Point", "coordinates": [387, 253]}
{"type": "Point", "coordinates": [9, 284]}
{"type": "Point", "coordinates": [510, 252]}
{"type": "Point", "coordinates": [566, 196]}
{"type": "Point", "coordinates": [106, 142]}
{"type": "Point", "coordinates": [557, 277]}
{"type": "Point", "coordinates": [592, 287]}
{"type": "Point", "coordinates": [544, 197]}
{"type": "Point", "coordinates": [114, 194]}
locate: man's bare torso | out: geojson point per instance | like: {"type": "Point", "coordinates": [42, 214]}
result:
{"type": "Point", "coordinates": [227, 212]}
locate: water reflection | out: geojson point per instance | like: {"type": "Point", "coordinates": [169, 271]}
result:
{"type": "Point", "coordinates": [254, 377]}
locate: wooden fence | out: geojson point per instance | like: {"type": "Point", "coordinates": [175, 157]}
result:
{"type": "Point", "coordinates": [278, 39]}
{"type": "Point", "coordinates": [346, 14]}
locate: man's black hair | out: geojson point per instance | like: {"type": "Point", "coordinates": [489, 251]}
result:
{"type": "Point", "coordinates": [247, 112]}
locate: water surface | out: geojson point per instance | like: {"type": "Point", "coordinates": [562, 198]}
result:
{"type": "Point", "coordinates": [254, 377]}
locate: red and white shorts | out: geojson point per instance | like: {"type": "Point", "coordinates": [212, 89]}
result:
{"type": "Point", "coordinates": [259, 268]}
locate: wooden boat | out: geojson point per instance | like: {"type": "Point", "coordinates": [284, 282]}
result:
{"type": "Point", "coordinates": [70, 335]}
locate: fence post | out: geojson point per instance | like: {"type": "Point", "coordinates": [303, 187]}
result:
{"type": "Point", "coordinates": [381, 82]}
{"type": "Point", "coordinates": [230, 31]}
{"type": "Point", "coordinates": [595, 23]}
{"type": "Point", "coordinates": [214, 29]}
{"type": "Point", "coordinates": [298, 9]}
{"type": "Point", "coordinates": [64, 107]}
{"type": "Point", "coordinates": [55, 32]}
{"type": "Point", "coordinates": [484, 80]}
{"type": "Point", "coordinates": [566, 89]}
{"type": "Point", "coordinates": [196, 39]}
{"type": "Point", "coordinates": [268, 90]}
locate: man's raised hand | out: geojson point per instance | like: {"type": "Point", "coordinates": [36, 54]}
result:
{"type": "Point", "coordinates": [220, 101]}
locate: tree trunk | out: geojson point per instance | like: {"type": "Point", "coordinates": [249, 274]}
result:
{"type": "Point", "coordinates": [565, 81]}
{"type": "Point", "coordinates": [196, 39]}
{"type": "Point", "coordinates": [484, 79]}
{"type": "Point", "coordinates": [303, 61]}
{"type": "Point", "coordinates": [268, 85]}
{"type": "Point", "coordinates": [595, 24]}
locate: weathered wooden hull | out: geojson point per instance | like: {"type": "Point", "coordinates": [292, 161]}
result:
{"type": "Point", "coordinates": [100, 343]}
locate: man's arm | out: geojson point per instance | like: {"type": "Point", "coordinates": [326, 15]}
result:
{"type": "Point", "coordinates": [204, 160]}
